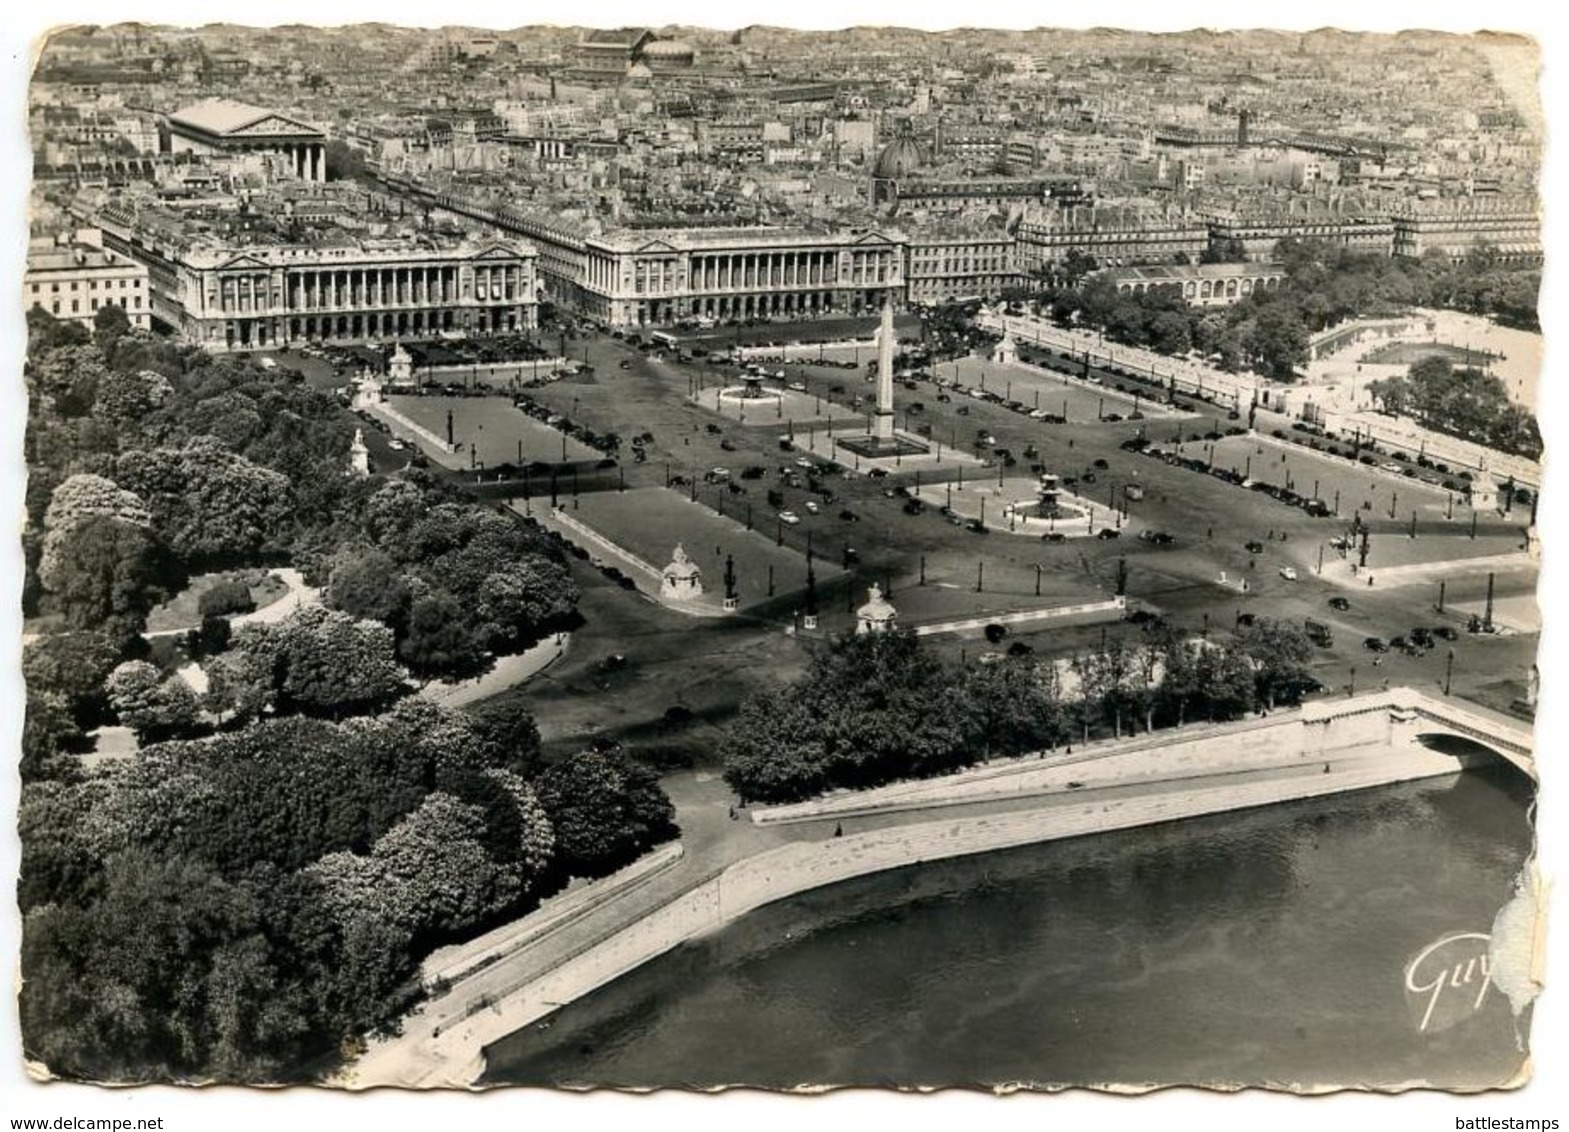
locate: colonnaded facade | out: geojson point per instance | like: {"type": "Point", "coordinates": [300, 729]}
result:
{"type": "Point", "coordinates": [264, 296]}
{"type": "Point", "coordinates": [654, 277]}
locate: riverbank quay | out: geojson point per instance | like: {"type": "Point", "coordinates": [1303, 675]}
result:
{"type": "Point", "coordinates": [1327, 747]}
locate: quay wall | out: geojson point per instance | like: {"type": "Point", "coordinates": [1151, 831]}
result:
{"type": "Point", "coordinates": [801, 866]}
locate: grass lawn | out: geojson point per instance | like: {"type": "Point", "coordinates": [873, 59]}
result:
{"type": "Point", "coordinates": [1047, 392]}
{"type": "Point", "coordinates": [183, 612]}
{"type": "Point", "coordinates": [649, 522]}
{"type": "Point", "coordinates": [492, 429]}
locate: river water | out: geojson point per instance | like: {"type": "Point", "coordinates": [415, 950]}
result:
{"type": "Point", "coordinates": [1268, 946]}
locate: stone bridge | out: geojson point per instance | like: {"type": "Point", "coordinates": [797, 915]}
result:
{"type": "Point", "coordinates": [1404, 717]}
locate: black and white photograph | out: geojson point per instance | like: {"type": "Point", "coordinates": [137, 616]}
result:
{"type": "Point", "coordinates": [631, 549]}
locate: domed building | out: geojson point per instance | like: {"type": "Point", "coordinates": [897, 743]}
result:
{"type": "Point", "coordinates": [898, 160]}
{"type": "Point", "coordinates": [668, 55]}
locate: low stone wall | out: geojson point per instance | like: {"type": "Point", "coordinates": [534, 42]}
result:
{"type": "Point", "coordinates": [1112, 607]}
{"type": "Point", "coordinates": [1251, 744]}
{"type": "Point", "coordinates": [454, 963]}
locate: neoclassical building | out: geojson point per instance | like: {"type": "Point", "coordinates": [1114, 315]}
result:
{"type": "Point", "coordinates": [239, 297]}
{"type": "Point", "coordinates": [221, 128]}
{"type": "Point", "coordinates": [1511, 227]}
{"type": "Point", "coordinates": [632, 277]}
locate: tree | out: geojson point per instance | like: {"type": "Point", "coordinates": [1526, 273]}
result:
{"type": "Point", "coordinates": [776, 748]}
{"type": "Point", "coordinates": [433, 872]}
{"type": "Point", "coordinates": [149, 704]}
{"type": "Point", "coordinates": [110, 324]}
{"type": "Point", "coordinates": [322, 662]}
{"type": "Point", "coordinates": [212, 505]}
{"type": "Point", "coordinates": [108, 575]}
{"type": "Point", "coordinates": [521, 599]}
{"type": "Point", "coordinates": [46, 333]}
{"type": "Point", "coordinates": [507, 728]}
{"type": "Point", "coordinates": [168, 974]}
{"type": "Point", "coordinates": [366, 583]}
{"type": "Point", "coordinates": [74, 667]}
{"type": "Point", "coordinates": [1010, 706]}
{"type": "Point", "coordinates": [1169, 333]}
{"type": "Point", "coordinates": [605, 810]}
{"type": "Point", "coordinates": [439, 643]}
{"type": "Point", "coordinates": [79, 498]}
{"type": "Point", "coordinates": [1279, 654]}
{"type": "Point", "coordinates": [125, 398]}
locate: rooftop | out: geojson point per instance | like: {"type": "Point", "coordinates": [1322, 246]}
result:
{"type": "Point", "coordinates": [224, 116]}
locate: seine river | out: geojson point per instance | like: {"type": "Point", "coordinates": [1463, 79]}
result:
{"type": "Point", "coordinates": [1270, 946]}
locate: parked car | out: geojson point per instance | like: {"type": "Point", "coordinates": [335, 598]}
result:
{"type": "Point", "coordinates": [789, 517]}
{"type": "Point", "coordinates": [1375, 644]}
{"type": "Point", "coordinates": [1447, 632]}
{"type": "Point", "coordinates": [811, 507]}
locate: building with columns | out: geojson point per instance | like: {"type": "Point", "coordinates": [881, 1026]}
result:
{"type": "Point", "coordinates": [220, 128]}
{"type": "Point", "coordinates": [633, 277]}
{"type": "Point", "coordinates": [1200, 285]}
{"type": "Point", "coordinates": [237, 296]}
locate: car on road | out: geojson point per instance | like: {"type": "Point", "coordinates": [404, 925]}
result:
{"type": "Point", "coordinates": [811, 507]}
{"type": "Point", "coordinates": [1339, 603]}
{"type": "Point", "coordinates": [1054, 536]}
{"type": "Point", "coordinates": [803, 462]}
{"type": "Point", "coordinates": [789, 517]}
{"type": "Point", "coordinates": [1108, 533]}
{"type": "Point", "coordinates": [625, 364]}
{"type": "Point", "coordinates": [975, 526]}
{"type": "Point", "coordinates": [727, 444]}
{"type": "Point", "coordinates": [1375, 644]}
{"type": "Point", "coordinates": [914, 507]}
{"type": "Point", "coordinates": [797, 386]}
{"type": "Point", "coordinates": [849, 516]}
{"type": "Point", "coordinates": [878, 473]}
{"type": "Point", "coordinates": [1101, 464]}
{"type": "Point", "coordinates": [1289, 573]}
{"type": "Point", "coordinates": [1254, 547]}
{"type": "Point", "coordinates": [1421, 637]}
{"type": "Point", "coordinates": [396, 445]}
{"type": "Point", "coordinates": [1447, 632]}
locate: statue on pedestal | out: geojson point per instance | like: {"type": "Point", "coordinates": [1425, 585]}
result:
{"type": "Point", "coordinates": [878, 614]}
{"type": "Point", "coordinates": [359, 455]}
{"type": "Point", "coordinates": [682, 580]}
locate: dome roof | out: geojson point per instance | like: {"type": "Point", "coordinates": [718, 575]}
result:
{"type": "Point", "coordinates": [669, 51]}
{"type": "Point", "coordinates": [899, 159]}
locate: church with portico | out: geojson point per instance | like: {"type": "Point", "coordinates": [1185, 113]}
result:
{"type": "Point", "coordinates": [220, 128]}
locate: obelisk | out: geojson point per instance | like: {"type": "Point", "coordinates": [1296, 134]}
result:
{"type": "Point", "coordinates": [882, 422]}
